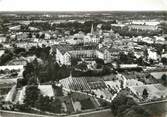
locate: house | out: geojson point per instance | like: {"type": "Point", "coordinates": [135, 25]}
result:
{"type": "Point", "coordinates": [46, 90]}
{"type": "Point", "coordinates": [62, 54]}
{"type": "Point", "coordinates": [157, 75]}
{"type": "Point", "coordinates": [118, 25]}
{"type": "Point", "coordinates": [107, 56]}
{"type": "Point", "coordinates": [152, 54]}
{"type": "Point", "coordinates": [12, 67]}
{"type": "Point", "coordinates": [2, 39]}
{"type": "Point", "coordinates": [21, 36]}
{"type": "Point", "coordinates": [147, 40]}
{"type": "Point", "coordinates": [110, 54]}
{"type": "Point", "coordinates": [129, 67]}
{"type": "Point", "coordinates": [33, 28]}
{"type": "Point", "coordinates": [15, 28]}
{"type": "Point", "coordinates": [2, 52]}
{"type": "Point", "coordinates": [90, 39]}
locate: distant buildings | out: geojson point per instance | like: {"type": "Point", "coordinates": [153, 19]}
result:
{"type": "Point", "coordinates": [142, 27]}
{"type": "Point", "coordinates": [15, 28]}
{"type": "Point", "coordinates": [2, 38]}
{"type": "Point", "coordinates": [139, 25]}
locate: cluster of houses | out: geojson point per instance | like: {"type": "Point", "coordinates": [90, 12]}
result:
{"type": "Point", "coordinates": [104, 45]}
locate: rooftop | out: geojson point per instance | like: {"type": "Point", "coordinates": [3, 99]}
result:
{"type": "Point", "coordinates": [158, 75]}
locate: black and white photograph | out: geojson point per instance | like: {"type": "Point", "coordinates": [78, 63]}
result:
{"type": "Point", "coordinates": [83, 58]}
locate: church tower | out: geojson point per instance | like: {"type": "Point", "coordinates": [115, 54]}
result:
{"type": "Point", "coordinates": [92, 30]}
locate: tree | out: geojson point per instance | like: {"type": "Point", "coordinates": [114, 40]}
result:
{"type": "Point", "coordinates": [106, 70]}
{"type": "Point", "coordinates": [136, 111]}
{"type": "Point", "coordinates": [30, 35]}
{"type": "Point", "coordinates": [123, 58]}
{"type": "Point", "coordinates": [6, 57]}
{"type": "Point", "coordinates": [32, 81]}
{"type": "Point", "coordinates": [42, 36]}
{"type": "Point", "coordinates": [121, 103]}
{"type": "Point", "coordinates": [63, 72]}
{"type": "Point", "coordinates": [99, 62]}
{"type": "Point", "coordinates": [145, 94]}
{"type": "Point", "coordinates": [31, 95]}
{"type": "Point", "coordinates": [124, 106]}
{"type": "Point", "coordinates": [151, 61]}
{"type": "Point", "coordinates": [36, 67]}
{"type": "Point", "coordinates": [37, 35]}
{"type": "Point", "coordinates": [131, 57]}
{"type": "Point", "coordinates": [164, 61]}
{"type": "Point", "coordinates": [74, 61]}
{"type": "Point", "coordinates": [163, 26]}
{"type": "Point", "coordinates": [101, 96]}
{"type": "Point", "coordinates": [58, 90]}
{"type": "Point", "coordinates": [18, 50]}
{"type": "Point", "coordinates": [82, 66]}
{"type": "Point", "coordinates": [146, 54]}
{"type": "Point", "coordinates": [164, 79]}
{"type": "Point", "coordinates": [140, 61]}
{"type": "Point", "coordinates": [50, 69]}
{"type": "Point", "coordinates": [27, 74]}
{"type": "Point", "coordinates": [22, 107]}
{"type": "Point", "coordinates": [56, 106]}
{"type": "Point", "coordinates": [45, 103]}
{"type": "Point", "coordinates": [1, 45]}
{"type": "Point", "coordinates": [42, 103]}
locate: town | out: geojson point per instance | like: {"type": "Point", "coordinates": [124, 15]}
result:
{"type": "Point", "coordinates": [69, 63]}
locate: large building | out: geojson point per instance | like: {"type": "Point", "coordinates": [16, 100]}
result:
{"type": "Point", "coordinates": [64, 53]}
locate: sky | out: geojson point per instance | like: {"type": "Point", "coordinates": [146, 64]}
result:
{"type": "Point", "coordinates": [83, 5]}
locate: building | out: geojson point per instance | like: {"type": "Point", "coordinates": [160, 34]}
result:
{"type": "Point", "coordinates": [110, 54]}
{"type": "Point", "coordinates": [64, 53]}
{"type": "Point", "coordinates": [2, 38]}
{"type": "Point", "coordinates": [143, 27]}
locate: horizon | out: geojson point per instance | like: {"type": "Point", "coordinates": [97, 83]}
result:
{"type": "Point", "coordinates": [83, 5]}
{"type": "Point", "coordinates": [93, 11]}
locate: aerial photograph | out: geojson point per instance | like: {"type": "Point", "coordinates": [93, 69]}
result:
{"type": "Point", "coordinates": [83, 58]}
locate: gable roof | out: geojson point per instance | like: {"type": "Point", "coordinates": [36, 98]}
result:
{"type": "Point", "coordinates": [158, 75]}
{"type": "Point", "coordinates": [62, 48]}
{"type": "Point", "coordinates": [46, 90]}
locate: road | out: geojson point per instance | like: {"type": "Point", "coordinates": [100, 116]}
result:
{"type": "Point", "coordinates": [19, 114]}
{"type": "Point", "coordinates": [100, 113]}
{"type": "Point", "coordinates": [158, 109]}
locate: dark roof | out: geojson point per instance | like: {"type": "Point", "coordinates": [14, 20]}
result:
{"type": "Point", "coordinates": [62, 48]}
{"type": "Point", "coordinates": [65, 48]}
{"type": "Point", "coordinates": [114, 50]}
